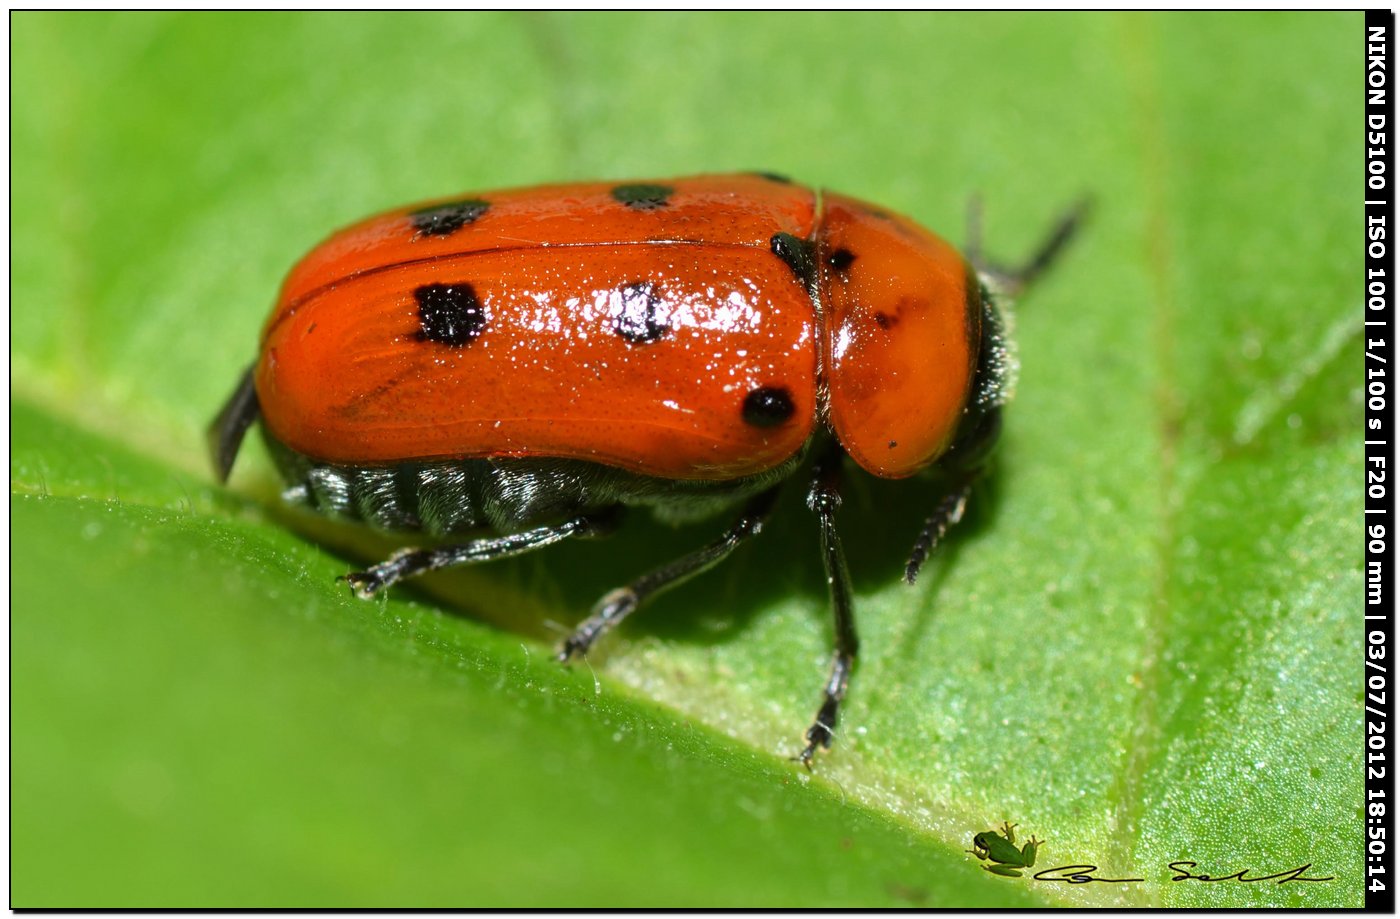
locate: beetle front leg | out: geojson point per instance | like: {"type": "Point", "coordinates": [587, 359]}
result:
{"type": "Point", "coordinates": [824, 499]}
{"type": "Point", "coordinates": [966, 462]}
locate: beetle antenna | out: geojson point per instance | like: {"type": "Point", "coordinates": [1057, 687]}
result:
{"type": "Point", "coordinates": [1014, 280]}
{"type": "Point", "coordinates": [973, 247]}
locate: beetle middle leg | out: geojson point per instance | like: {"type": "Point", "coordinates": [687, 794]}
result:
{"type": "Point", "coordinates": [407, 563]}
{"type": "Point", "coordinates": [824, 498]}
{"type": "Point", "coordinates": [617, 605]}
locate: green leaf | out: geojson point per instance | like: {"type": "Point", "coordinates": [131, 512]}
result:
{"type": "Point", "coordinates": [1141, 645]}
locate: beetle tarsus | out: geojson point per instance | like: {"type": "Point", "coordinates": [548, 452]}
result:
{"type": "Point", "coordinates": [403, 563]}
{"type": "Point", "coordinates": [615, 606]}
{"type": "Point", "coordinates": [822, 732]}
{"type": "Point", "coordinates": [363, 584]}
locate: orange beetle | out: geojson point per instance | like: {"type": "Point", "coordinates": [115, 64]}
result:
{"type": "Point", "coordinates": [529, 361]}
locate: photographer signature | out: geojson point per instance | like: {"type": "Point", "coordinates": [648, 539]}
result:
{"type": "Point", "coordinates": [999, 850]}
{"type": "Point", "coordinates": [1084, 874]}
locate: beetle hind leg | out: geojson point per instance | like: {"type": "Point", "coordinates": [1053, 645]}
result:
{"type": "Point", "coordinates": [407, 563]}
{"type": "Point", "coordinates": [617, 605]}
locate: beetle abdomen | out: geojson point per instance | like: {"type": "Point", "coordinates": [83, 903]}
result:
{"type": "Point", "coordinates": [504, 495]}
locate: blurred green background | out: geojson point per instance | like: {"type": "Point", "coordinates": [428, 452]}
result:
{"type": "Point", "coordinates": [1142, 646]}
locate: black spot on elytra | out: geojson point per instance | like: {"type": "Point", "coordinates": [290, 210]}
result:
{"type": "Point", "coordinates": [446, 219]}
{"type": "Point", "coordinates": [640, 318]}
{"type": "Point", "coordinates": [800, 256]}
{"type": "Point", "coordinates": [643, 197]}
{"type": "Point", "coordinates": [841, 259]}
{"type": "Point", "coordinates": [772, 177]}
{"type": "Point", "coordinates": [450, 314]}
{"type": "Point", "coordinates": [768, 407]}
{"type": "Point", "coordinates": [886, 321]}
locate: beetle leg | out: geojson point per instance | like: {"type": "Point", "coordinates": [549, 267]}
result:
{"type": "Point", "coordinates": [966, 462]}
{"type": "Point", "coordinates": [1015, 279]}
{"type": "Point", "coordinates": [618, 604]}
{"type": "Point", "coordinates": [226, 433]}
{"type": "Point", "coordinates": [824, 498]}
{"type": "Point", "coordinates": [945, 516]}
{"type": "Point", "coordinates": [407, 563]}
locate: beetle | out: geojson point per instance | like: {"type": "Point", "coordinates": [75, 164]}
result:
{"type": "Point", "coordinates": [523, 364]}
